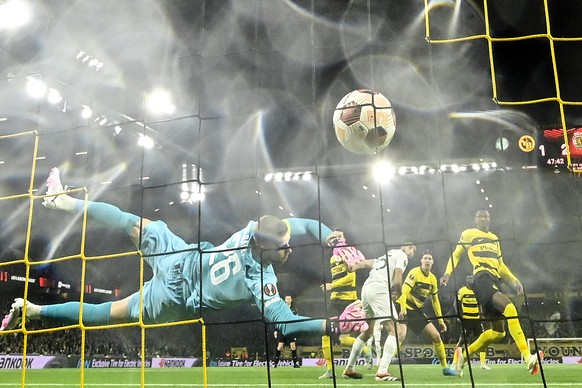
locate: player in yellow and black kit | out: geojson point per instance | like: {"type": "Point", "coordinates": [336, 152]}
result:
{"type": "Point", "coordinates": [484, 252]}
{"type": "Point", "coordinates": [342, 293]}
{"type": "Point", "coordinates": [421, 284]}
{"type": "Point", "coordinates": [472, 325]}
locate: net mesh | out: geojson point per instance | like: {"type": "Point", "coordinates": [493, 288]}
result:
{"type": "Point", "coordinates": [255, 87]}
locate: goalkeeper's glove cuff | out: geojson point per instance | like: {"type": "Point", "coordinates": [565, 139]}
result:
{"type": "Point", "coordinates": [333, 330]}
{"type": "Point", "coordinates": [336, 241]}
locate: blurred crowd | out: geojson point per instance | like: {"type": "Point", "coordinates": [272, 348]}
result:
{"type": "Point", "coordinates": [184, 341]}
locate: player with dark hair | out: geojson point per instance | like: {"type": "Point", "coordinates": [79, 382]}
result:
{"type": "Point", "coordinates": [381, 288]}
{"type": "Point", "coordinates": [282, 339]}
{"type": "Point", "coordinates": [484, 251]}
{"type": "Point", "coordinates": [471, 325]}
{"type": "Point", "coordinates": [420, 285]}
{"type": "Point", "coordinates": [237, 271]}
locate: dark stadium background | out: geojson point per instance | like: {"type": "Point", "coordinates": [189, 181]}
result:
{"type": "Point", "coordinates": [255, 83]}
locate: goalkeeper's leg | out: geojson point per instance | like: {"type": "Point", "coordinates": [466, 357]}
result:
{"type": "Point", "coordinates": [68, 313]}
{"type": "Point", "coordinates": [104, 213]}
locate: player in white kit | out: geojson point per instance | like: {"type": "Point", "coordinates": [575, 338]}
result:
{"type": "Point", "coordinates": [382, 287]}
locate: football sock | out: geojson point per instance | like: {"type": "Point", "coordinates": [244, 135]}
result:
{"type": "Point", "coordinates": [387, 354]}
{"type": "Point", "coordinates": [439, 349]}
{"type": "Point", "coordinates": [326, 350]}
{"type": "Point", "coordinates": [378, 343]}
{"type": "Point", "coordinates": [515, 329]}
{"type": "Point", "coordinates": [455, 358]}
{"type": "Point", "coordinates": [347, 340]}
{"type": "Point", "coordinates": [294, 356]}
{"type": "Point", "coordinates": [92, 313]}
{"type": "Point", "coordinates": [109, 215]}
{"type": "Point", "coordinates": [482, 358]}
{"type": "Point", "coordinates": [366, 351]}
{"type": "Point", "coordinates": [487, 337]}
{"type": "Point", "coordinates": [357, 348]}
{"type": "Point", "coordinates": [277, 356]}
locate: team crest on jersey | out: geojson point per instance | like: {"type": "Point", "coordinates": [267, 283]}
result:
{"type": "Point", "coordinates": [270, 289]}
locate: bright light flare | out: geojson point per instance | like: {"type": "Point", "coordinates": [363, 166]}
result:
{"type": "Point", "coordinates": [86, 113]}
{"type": "Point", "coordinates": [383, 171]}
{"type": "Point", "coordinates": [145, 142]}
{"type": "Point", "coordinates": [54, 96]}
{"type": "Point", "coordinates": [14, 13]}
{"type": "Point", "coordinates": [36, 88]}
{"type": "Point", "coordinates": [159, 101]}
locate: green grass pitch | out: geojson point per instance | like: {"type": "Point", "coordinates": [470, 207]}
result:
{"type": "Point", "coordinates": [502, 376]}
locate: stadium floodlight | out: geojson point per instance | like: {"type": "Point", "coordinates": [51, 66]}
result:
{"type": "Point", "coordinates": [383, 171]}
{"type": "Point", "coordinates": [13, 13]}
{"type": "Point", "coordinates": [159, 101]}
{"type": "Point", "coordinates": [54, 96]}
{"type": "Point", "coordinates": [197, 197]}
{"type": "Point", "coordinates": [36, 88]}
{"type": "Point", "coordinates": [145, 142]}
{"type": "Point", "coordinates": [86, 112]}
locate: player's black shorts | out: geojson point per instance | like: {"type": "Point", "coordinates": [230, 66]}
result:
{"type": "Point", "coordinates": [337, 306]}
{"type": "Point", "coordinates": [473, 329]}
{"type": "Point", "coordinates": [416, 320]}
{"type": "Point", "coordinates": [485, 285]}
{"type": "Point", "coordinates": [284, 339]}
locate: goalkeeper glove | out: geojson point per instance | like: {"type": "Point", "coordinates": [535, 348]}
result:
{"type": "Point", "coordinates": [352, 319]}
{"type": "Point", "coordinates": [351, 255]}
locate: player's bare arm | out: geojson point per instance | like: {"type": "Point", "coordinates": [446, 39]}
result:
{"type": "Point", "coordinates": [366, 264]}
{"type": "Point", "coordinates": [445, 279]}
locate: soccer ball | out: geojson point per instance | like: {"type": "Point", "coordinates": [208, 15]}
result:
{"type": "Point", "coordinates": [364, 122]}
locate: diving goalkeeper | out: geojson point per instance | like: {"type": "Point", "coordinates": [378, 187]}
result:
{"type": "Point", "coordinates": [236, 272]}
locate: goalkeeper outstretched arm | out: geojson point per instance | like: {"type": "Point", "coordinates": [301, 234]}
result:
{"type": "Point", "coordinates": [290, 324]}
{"type": "Point", "coordinates": [301, 227]}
